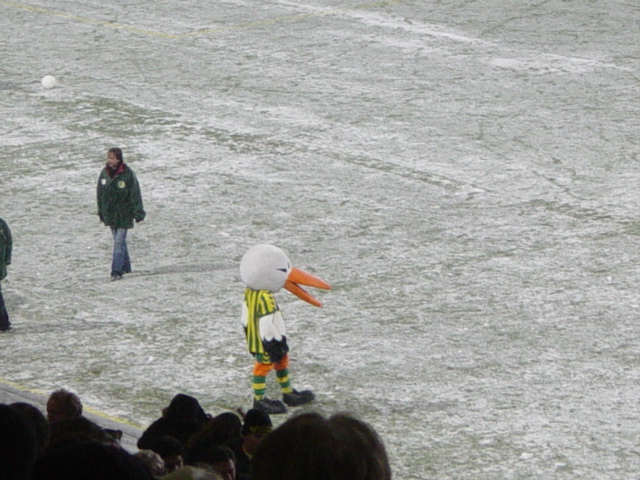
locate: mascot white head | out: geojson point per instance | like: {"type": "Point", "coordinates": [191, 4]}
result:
{"type": "Point", "coordinates": [267, 267]}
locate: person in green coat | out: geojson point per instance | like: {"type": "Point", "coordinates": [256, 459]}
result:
{"type": "Point", "coordinates": [119, 205]}
{"type": "Point", "coordinates": [6, 245]}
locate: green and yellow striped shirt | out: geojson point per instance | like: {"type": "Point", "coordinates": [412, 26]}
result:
{"type": "Point", "coordinates": [257, 304]}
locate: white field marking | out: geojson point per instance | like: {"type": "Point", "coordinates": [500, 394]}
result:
{"type": "Point", "coordinates": [206, 31]}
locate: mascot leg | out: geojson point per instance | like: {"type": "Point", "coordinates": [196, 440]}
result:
{"type": "Point", "coordinates": [282, 372]}
{"type": "Point", "coordinates": [291, 396]}
{"type": "Point", "coordinates": [259, 384]}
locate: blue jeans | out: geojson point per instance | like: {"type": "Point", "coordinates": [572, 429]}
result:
{"type": "Point", "coordinates": [120, 263]}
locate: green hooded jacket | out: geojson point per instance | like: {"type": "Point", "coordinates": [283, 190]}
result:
{"type": "Point", "coordinates": [119, 198]}
{"type": "Point", "coordinates": [6, 245]}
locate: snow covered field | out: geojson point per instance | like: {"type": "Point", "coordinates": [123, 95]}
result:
{"type": "Point", "coordinates": [464, 173]}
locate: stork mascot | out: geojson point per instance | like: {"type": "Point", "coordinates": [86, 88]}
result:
{"type": "Point", "coordinates": [265, 269]}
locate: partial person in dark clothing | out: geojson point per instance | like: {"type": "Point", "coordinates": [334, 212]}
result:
{"type": "Point", "coordinates": [75, 431]}
{"type": "Point", "coordinates": [39, 422]}
{"type": "Point", "coordinates": [223, 429]}
{"type": "Point", "coordinates": [182, 418]}
{"type": "Point", "coordinates": [6, 246]}
{"type": "Point", "coordinates": [18, 445]}
{"type": "Point", "coordinates": [218, 458]}
{"type": "Point", "coordinates": [171, 450]}
{"type": "Point", "coordinates": [257, 425]}
{"type": "Point", "coordinates": [310, 447]}
{"type": "Point", "coordinates": [153, 462]}
{"type": "Point", "coordinates": [90, 460]}
{"type": "Point", "coordinates": [119, 204]}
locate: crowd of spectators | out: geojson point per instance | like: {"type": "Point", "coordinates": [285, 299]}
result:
{"type": "Point", "coordinates": [185, 443]}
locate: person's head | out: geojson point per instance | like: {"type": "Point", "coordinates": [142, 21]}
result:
{"type": "Point", "coordinates": [185, 410]}
{"type": "Point", "coordinates": [39, 422]}
{"type": "Point", "coordinates": [218, 458]}
{"type": "Point", "coordinates": [192, 473]}
{"type": "Point", "coordinates": [223, 429]}
{"type": "Point", "coordinates": [114, 157]}
{"type": "Point", "coordinates": [226, 469]}
{"type": "Point", "coordinates": [18, 444]}
{"type": "Point", "coordinates": [63, 404]}
{"type": "Point", "coordinates": [153, 462]}
{"type": "Point", "coordinates": [171, 450]}
{"type": "Point", "coordinates": [257, 425]}
{"type": "Point", "coordinates": [339, 448]}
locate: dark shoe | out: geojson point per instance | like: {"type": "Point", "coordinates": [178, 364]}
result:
{"type": "Point", "coordinates": [116, 277]}
{"type": "Point", "coordinates": [296, 398]}
{"type": "Point", "coordinates": [269, 406]}
{"type": "Point", "coordinates": [5, 329]}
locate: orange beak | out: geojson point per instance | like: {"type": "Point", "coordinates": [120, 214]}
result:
{"type": "Point", "coordinates": [299, 277]}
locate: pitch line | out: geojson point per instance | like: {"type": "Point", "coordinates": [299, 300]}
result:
{"type": "Point", "coordinates": [287, 18]}
{"type": "Point", "coordinates": [206, 31]}
{"type": "Point", "coordinates": [91, 21]}
{"type": "Point", "coordinates": [97, 413]}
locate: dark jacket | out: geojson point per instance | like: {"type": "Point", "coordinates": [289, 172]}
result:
{"type": "Point", "coordinates": [6, 245]}
{"type": "Point", "coordinates": [119, 198]}
{"type": "Point", "coordinates": [182, 418]}
{"type": "Point", "coordinates": [243, 462]}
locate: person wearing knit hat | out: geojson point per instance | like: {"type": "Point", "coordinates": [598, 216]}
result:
{"type": "Point", "coordinates": [257, 425]}
{"type": "Point", "coordinates": [256, 422]}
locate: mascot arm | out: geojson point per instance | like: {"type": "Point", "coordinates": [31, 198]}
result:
{"type": "Point", "coordinates": [273, 336]}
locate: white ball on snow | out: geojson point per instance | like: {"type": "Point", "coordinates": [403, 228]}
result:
{"type": "Point", "coordinates": [49, 82]}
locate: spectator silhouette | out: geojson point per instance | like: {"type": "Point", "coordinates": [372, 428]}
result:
{"type": "Point", "coordinates": [63, 404]}
{"type": "Point", "coordinates": [18, 444]}
{"type": "Point", "coordinates": [171, 450]}
{"type": "Point", "coordinates": [257, 425]}
{"type": "Point", "coordinates": [310, 447]}
{"type": "Point", "coordinates": [218, 458]}
{"type": "Point", "coordinates": [153, 462]}
{"type": "Point", "coordinates": [90, 460]}
{"type": "Point", "coordinates": [73, 431]}
{"type": "Point", "coordinates": [39, 422]}
{"type": "Point", "coordinates": [223, 429]}
{"type": "Point", "coordinates": [182, 418]}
